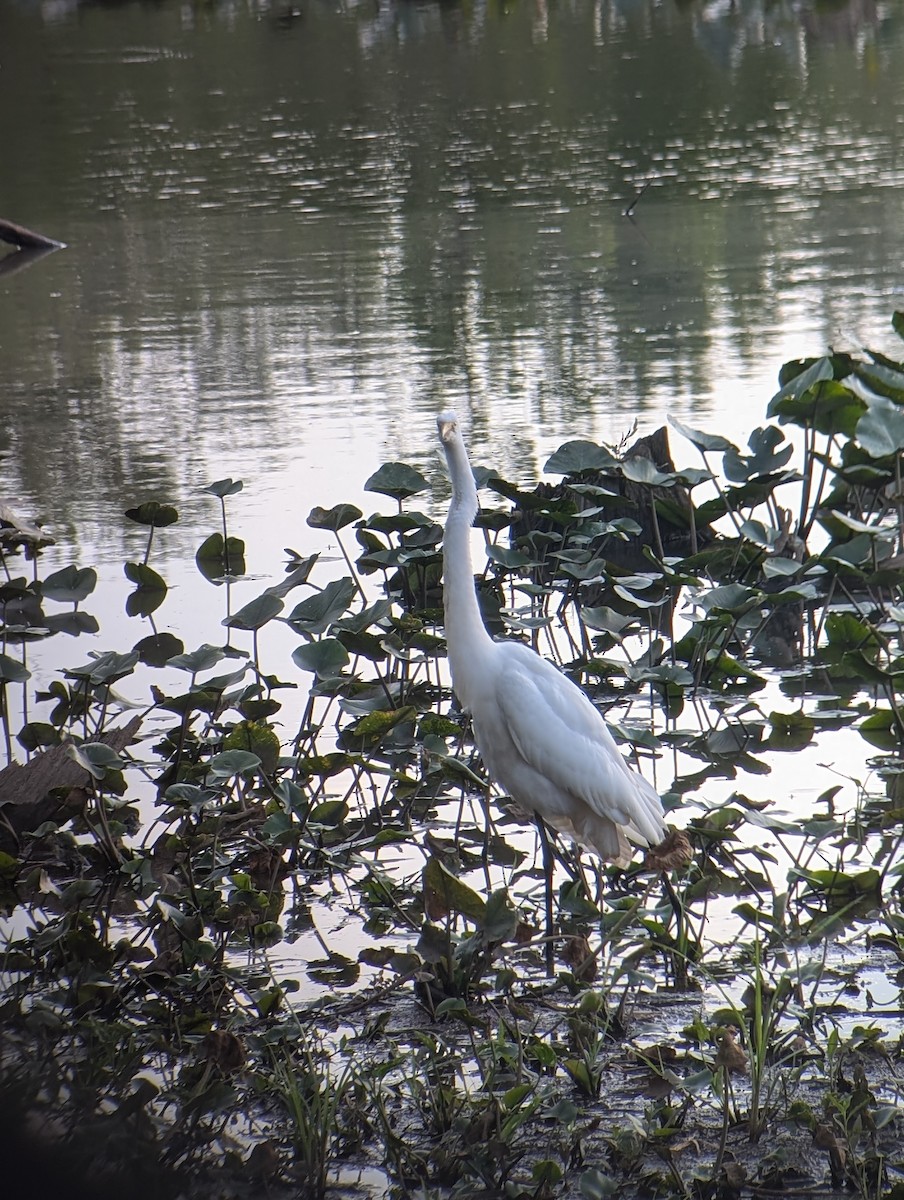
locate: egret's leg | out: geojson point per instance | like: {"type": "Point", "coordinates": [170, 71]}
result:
{"type": "Point", "coordinates": [487, 830]}
{"type": "Point", "coordinates": [487, 819]}
{"type": "Point", "coordinates": [548, 864]}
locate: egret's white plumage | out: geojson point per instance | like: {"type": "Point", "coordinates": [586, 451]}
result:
{"type": "Point", "coordinates": [540, 737]}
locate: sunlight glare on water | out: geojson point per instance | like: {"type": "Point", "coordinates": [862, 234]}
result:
{"type": "Point", "coordinates": [290, 242]}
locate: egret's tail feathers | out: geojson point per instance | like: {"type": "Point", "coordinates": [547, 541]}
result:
{"type": "Point", "coordinates": [601, 835]}
{"type": "Point", "coordinates": [647, 818]}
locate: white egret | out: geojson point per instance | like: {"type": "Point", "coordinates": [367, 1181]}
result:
{"type": "Point", "coordinates": [540, 737]}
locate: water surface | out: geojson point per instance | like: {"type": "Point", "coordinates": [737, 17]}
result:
{"type": "Point", "coordinates": [295, 233]}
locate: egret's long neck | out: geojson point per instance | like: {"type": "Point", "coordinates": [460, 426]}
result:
{"type": "Point", "coordinates": [466, 635]}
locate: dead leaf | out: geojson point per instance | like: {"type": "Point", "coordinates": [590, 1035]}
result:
{"type": "Point", "coordinates": [225, 1050]}
{"type": "Point", "coordinates": [578, 955]}
{"type": "Point", "coordinates": [672, 853]}
{"type": "Point", "coordinates": [730, 1056]}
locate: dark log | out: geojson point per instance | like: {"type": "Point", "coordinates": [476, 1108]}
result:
{"type": "Point", "coordinates": [18, 235]}
{"type": "Point", "coordinates": [14, 531]}
{"type": "Point", "coordinates": [49, 786]}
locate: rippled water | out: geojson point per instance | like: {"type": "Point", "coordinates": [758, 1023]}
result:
{"type": "Point", "coordinates": [295, 232]}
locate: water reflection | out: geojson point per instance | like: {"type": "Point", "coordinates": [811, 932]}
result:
{"type": "Point", "coordinates": [293, 237]}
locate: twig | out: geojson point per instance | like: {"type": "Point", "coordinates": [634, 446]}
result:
{"type": "Point", "coordinates": [630, 209]}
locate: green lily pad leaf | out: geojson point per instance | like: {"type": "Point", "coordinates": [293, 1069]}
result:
{"type": "Point", "coordinates": [70, 585]}
{"type": "Point", "coordinates": [692, 476]}
{"type": "Point", "coordinates": [703, 441]}
{"type": "Point", "coordinates": [511, 559]}
{"type": "Point", "coordinates": [219, 683]}
{"type": "Point", "coordinates": [729, 597]}
{"type": "Point", "coordinates": [96, 758]}
{"type": "Point", "coordinates": [573, 899]}
{"type": "Point", "coordinates": [105, 668]}
{"type": "Point", "coordinates": [483, 475]}
{"type": "Point", "coordinates": [842, 884]}
{"type": "Point", "coordinates": [444, 893]}
{"type": "Point", "coordinates": [215, 555]}
{"type": "Point", "coordinates": [150, 592]}
{"type": "Point", "coordinates": [765, 457]}
{"type": "Point", "coordinates": [233, 762]}
{"type": "Point", "coordinates": [144, 601]}
{"type": "Point", "coordinates": [197, 700]}
{"type": "Point", "coordinates": [315, 614]}
{"type": "Point", "coordinates": [12, 671]}
{"type": "Point", "coordinates": [38, 735]}
{"type": "Point", "coordinates": [565, 1111]}
{"type": "Point", "coordinates": [398, 480]}
{"type": "Point", "coordinates": [856, 552]}
{"type": "Point", "coordinates": [256, 613]}
{"type": "Point", "coordinates": [258, 738]}
{"type": "Point", "coordinates": [643, 470]}
{"type": "Point", "coordinates": [667, 673]}
{"type": "Point", "coordinates": [366, 645]}
{"type": "Point", "coordinates": [334, 518]}
{"type": "Point", "coordinates": [846, 632]}
{"type": "Point", "coordinates": [607, 620]}
{"type": "Point", "coordinates": [579, 1071]}
{"type": "Point", "coordinates": [397, 522]}
{"type": "Point", "coordinates": [734, 739]}
{"type": "Point", "coordinates": [224, 487]}
{"type": "Point", "coordinates": [152, 512]}
{"type": "Point", "coordinates": [144, 576]}
{"type": "Point", "coordinates": [326, 657]}
{"type": "Point", "coordinates": [883, 380]}
{"type": "Point", "coordinates": [370, 730]}
{"type": "Point", "coordinates": [596, 1185]}
{"type": "Point", "coordinates": [296, 577]}
{"type": "Point", "coordinates": [324, 765]}
{"type": "Point", "coordinates": [790, 731]}
{"type": "Point", "coordinates": [880, 431]}
{"type": "Point", "coordinates": [362, 621]}
{"type": "Point", "coordinates": [500, 920]}
{"type": "Point", "coordinates": [329, 814]}
{"type": "Point", "coordinates": [575, 457]}
{"type": "Point", "coordinates": [759, 533]}
{"type": "Point", "coordinates": [820, 370]}
{"type": "Point", "coordinates": [860, 526]}
{"type": "Point", "coordinates": [335, 971]}
{"type": "Point", "coordinates": [777, 567]}
{"type": "Point", "coordinates": [436, 725]}
{"type": "Point", "coordinates": [74, 623]}
{"type": "Point", "coordinates": [158, 649]}
{"type": "Point", "coordinates": [829, 407]}
{"type": "Point", "coordinates": [202, 659]}
{"type": "Point", "coordinates": [880, 729]}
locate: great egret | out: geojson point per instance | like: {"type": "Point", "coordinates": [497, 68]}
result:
{"type": "Point", "coordinates": [540, 737]}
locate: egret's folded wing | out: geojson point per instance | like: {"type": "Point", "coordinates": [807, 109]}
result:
{"type": "Point", "coordinates": [562, 736]}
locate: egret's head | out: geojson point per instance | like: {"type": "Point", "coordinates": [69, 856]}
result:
{"type": "Point", "coordinates": [447, 426]}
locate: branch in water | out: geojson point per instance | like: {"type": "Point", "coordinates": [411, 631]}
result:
{"type": "Point", "coordinates": [630, 209]}
{"type": "Point", "coordinates": [18, 235]}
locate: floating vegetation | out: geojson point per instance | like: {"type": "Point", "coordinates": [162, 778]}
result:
{"type": "Point", "coordinates": [264, 931]}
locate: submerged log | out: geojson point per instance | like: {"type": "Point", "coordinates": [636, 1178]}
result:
{"type": "Point", "coordinates": [49, 786]}
{"type": "Point", "coordinates": [14, 531]}
{"type": "Point", "coordinates": [18, 235]}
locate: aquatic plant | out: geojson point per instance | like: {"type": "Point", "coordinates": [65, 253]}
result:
{"type": "Point", "coordinates": [174, 869]}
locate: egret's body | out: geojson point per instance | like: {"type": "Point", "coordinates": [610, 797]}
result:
{"type": "Point", "coordinates": [540, 737]}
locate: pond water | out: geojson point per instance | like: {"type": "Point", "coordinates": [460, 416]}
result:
{"type": "Point", "coordinates": [295, 232]}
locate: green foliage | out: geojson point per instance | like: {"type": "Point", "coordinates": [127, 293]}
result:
{"type": "Point", "coordinates": [193, 849]}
